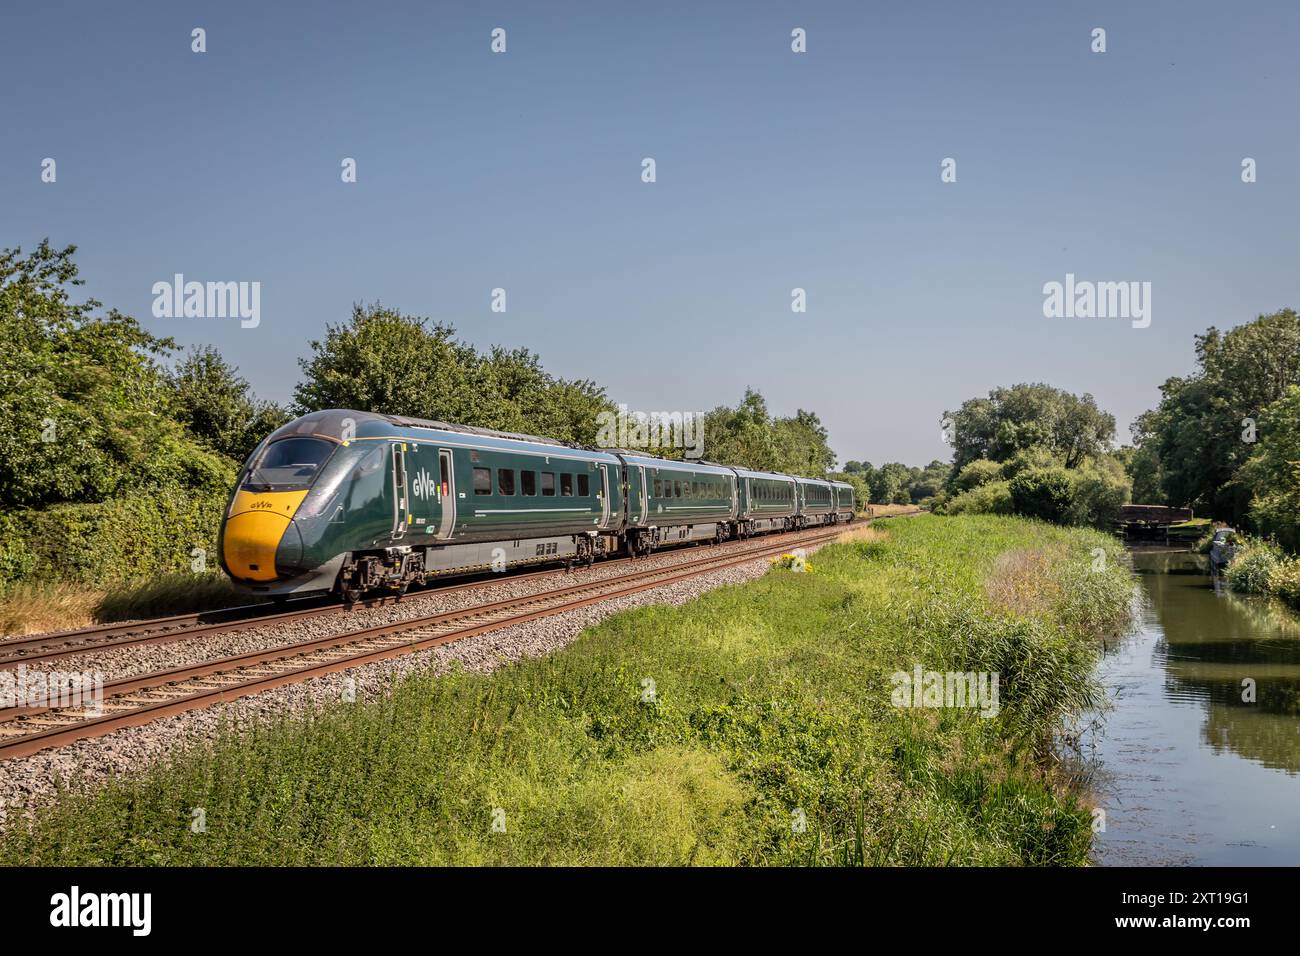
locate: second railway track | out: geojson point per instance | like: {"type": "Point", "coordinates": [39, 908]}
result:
{"type": "Point", "coordinates": [133, 701]}
{"type": "Point", "coordinates": [186, 627]}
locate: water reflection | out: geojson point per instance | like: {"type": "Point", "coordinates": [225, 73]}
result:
{"type": "Point", "coordinates": [1192, 772]}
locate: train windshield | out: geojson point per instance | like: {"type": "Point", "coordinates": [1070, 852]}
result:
{"type": "Point", "coordinates": [289, 464]}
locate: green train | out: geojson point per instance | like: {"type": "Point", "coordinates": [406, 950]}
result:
{"type": "Point", "coordinates": [355, 502]}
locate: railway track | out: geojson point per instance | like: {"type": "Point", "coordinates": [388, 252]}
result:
{"type": "Point", "coordinates": [62, 644]}
{"type": "Point", "coordinates": [133, 701]}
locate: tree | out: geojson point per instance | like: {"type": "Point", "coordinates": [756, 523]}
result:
{"type": "Point", "coordinates": [217, 406]}
{"type": "Point", "coordinates": [929, 481]}
{"type": "Point", "coordinates": [802, 446]}
{"type": "Point", "coordinates": [749, 437]}
{"type": "Point", "coordinates": [387, 362]}
{"type": "Point", "coordinates": [890, 483]}
{"type": "Point", "coordinates": [1022, 417]}
{"type": "Point", "coordinates": [1199, 433]}
{"type": "Point", "coordinates": [84, 403]}
{"type": "Point", "coordinates": [1272, 474]}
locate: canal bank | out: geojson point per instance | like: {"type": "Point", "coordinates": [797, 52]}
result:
{"type": "Point", "coordinates": [1186, 770]}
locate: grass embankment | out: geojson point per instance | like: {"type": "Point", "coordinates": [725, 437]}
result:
{"type": "Point", "coordinates": [29, 608]}
{"type": "Point", "coordinates": [71, 565]}
{"type": "Point", "coordinates": [771, 704]}
{"type": "Point", "coordinates": [888, 511]}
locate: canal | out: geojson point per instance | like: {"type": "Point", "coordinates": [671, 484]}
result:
{"type": "Point", "coordinates": [1185, 769]}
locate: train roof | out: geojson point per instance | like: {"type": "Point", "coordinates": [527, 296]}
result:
{"type": "Point", "coordinates": [812, 481]}
{"type": "Point", "coordinates": [703, 467]}
{"type": "Point", "coordinates": [333, 423]}
{"type": "Point", "coordinates": [750, 473]}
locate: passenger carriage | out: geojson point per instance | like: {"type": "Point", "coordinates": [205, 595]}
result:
{"type": "Point", "coordinates": [845, 501]}
{"type": "Point", "coordinates": [767, 502]}
{"type": "Point", "coordinates": [816, 502]}
{"type": "Point", "coordinates": [360, 501]}
{"type": "Point", "coordinates": [670, 502]}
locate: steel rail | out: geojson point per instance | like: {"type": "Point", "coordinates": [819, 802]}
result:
{"type": "Point", "coordinates": [209, 683]}
{"type": "Point", "coordinates": [61, 644]}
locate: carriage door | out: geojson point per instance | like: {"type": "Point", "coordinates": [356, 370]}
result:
{"type": "Point", "coordinates": [635, 494]}
{"type": "Point", "coordinates": [401, 493]}
{"type": "Point", "coordinates": [446, 494]}
{"type": "Point", "coordinates": [604, 496]}
{"type": "Point", "coordinates": [642, 497]}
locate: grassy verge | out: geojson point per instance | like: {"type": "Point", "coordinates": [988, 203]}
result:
{"type": "Point", "coordinates": [887, 511]}
{"type": "Point", "coordinates": [703, 734]}
{"type": "Point", "coordinates": [30, 608]}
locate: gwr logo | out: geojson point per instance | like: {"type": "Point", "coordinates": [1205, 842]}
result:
{"type": "Point", "coordinates": [422, 486]}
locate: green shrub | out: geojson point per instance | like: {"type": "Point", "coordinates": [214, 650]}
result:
{"type": "Point", "coordinates": [1284, 580]}
{"type": "Point", "coordinates": [978, 472]}
{"type": "Point", "coordinates": [142, 535]}
{"type": "Point", "coordinates": [1099, 489]}
{"type": "Point", "coordinates": [993, 498]}
{"type": "Point", "coordinates": [1253, 565]}
{"type": "Point", "coordinates": [1045, 493]}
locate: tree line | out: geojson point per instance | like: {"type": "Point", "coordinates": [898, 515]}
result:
{"type": "Point", "coordinates": [93, 406]}
{"type": "Point", "coordinates": [1224, 440]}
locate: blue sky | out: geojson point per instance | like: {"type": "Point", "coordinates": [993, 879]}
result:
{"type": "Point", "coordinates": [775, 170]}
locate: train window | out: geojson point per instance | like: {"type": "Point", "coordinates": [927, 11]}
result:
{"type": "Point", "coordinates": [658, 488]}
{"type": "Point", "coordinates": [677, 488]}
{"type": "Point", "coordinates": [289, 463]}
{"type": "Point", "coordinates": [369, 482]}
{"type": "Point", "coordinates": [482, 481]}
{"type": "Point", "coordinates": [528, 482]}
{"type": "Point", "coordinates": [566, 484]}
{"type": "Point", "coordinates": [584, 488]}
{"type": "Point", "coordinates": [687, 491]}
{"type": "Point", "coordinates": [505, 481]}
{"type": "Point", "coordinates": [548, 483]}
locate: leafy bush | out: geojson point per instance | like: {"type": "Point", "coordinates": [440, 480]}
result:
{"type": "Point", "coordinates": [978, 472]}
{"type": "Point", "coordinates": [991, 498]}
{"type": "Point", "coordinates": [1273, 472]}
{"type": "Point", "coordinates": [1100, 487]}
{"type": "Point", "coordinates": [1253, 565]}
{"type": "Point", "coordinates": [143, 535]}
{"type": "Point", "coordinates": [1284, 581]}
{"type": "Point", "coordinates": [1045, 493]}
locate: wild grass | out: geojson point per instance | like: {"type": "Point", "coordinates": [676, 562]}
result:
{"type": "Point", "coordinates": [752, 726]}
{"type": "Point", "coordinates": [30, 608]}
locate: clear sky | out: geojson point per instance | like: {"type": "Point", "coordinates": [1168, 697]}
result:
{"type": "Point", "coordinates": [775, 170]}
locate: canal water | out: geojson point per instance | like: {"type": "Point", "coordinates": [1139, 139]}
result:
{"type": "Point", "coordinates": [1186, 771]}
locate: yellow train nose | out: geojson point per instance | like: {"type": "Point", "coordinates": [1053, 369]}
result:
{"type": "Point", "coordinates": [253, 531]}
